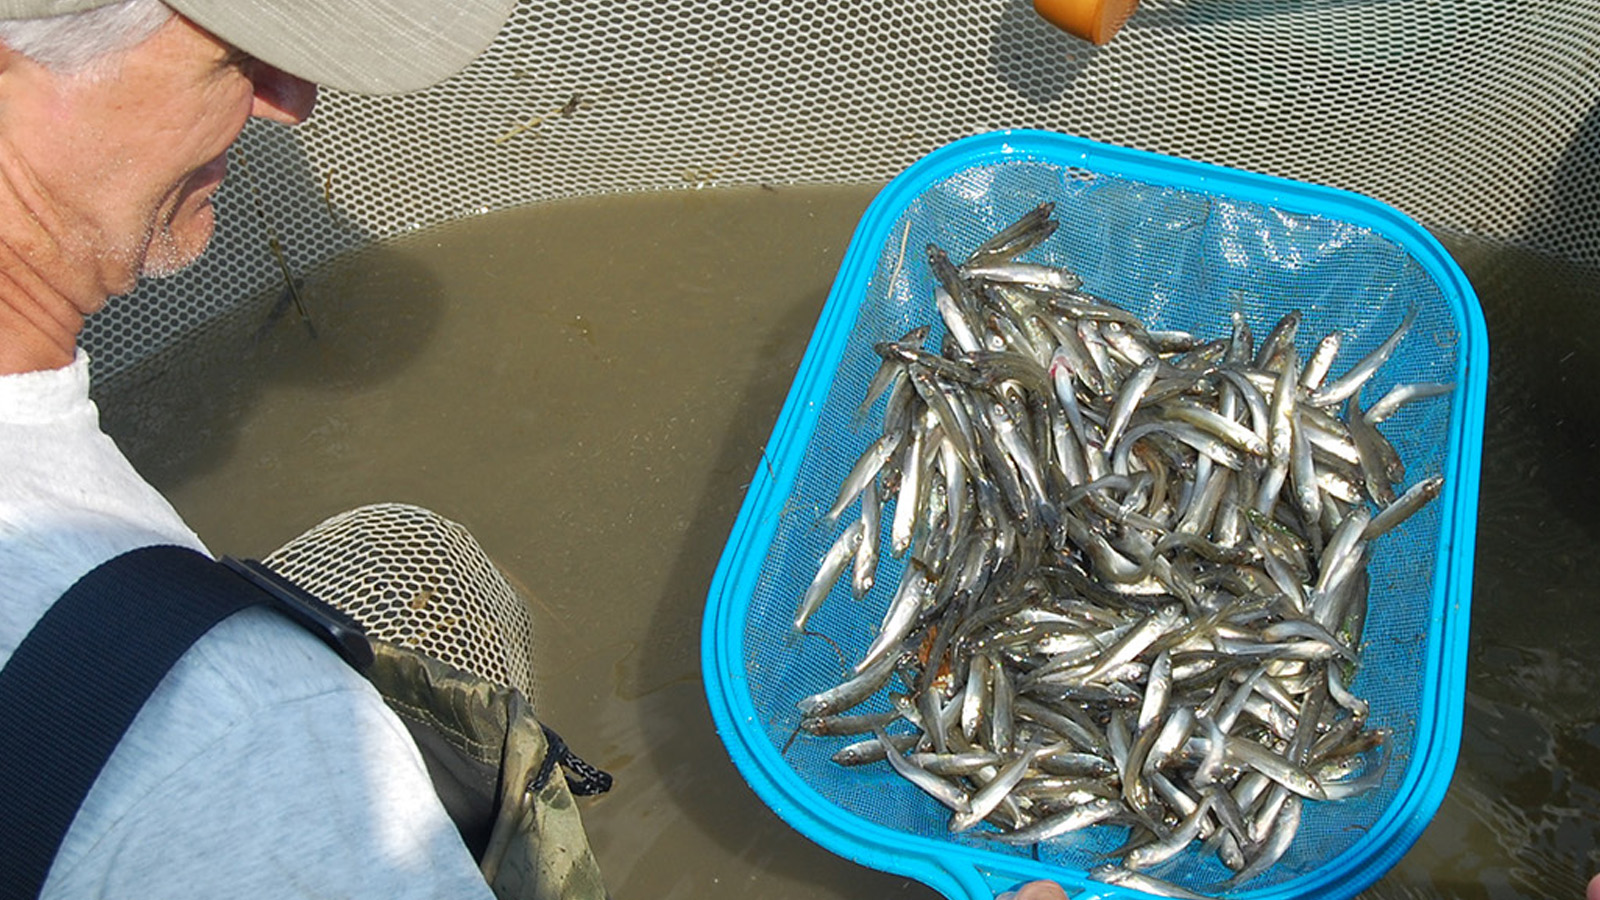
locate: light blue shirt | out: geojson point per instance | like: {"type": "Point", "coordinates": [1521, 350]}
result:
{"type": "Point", "coordinates": [262, 766]}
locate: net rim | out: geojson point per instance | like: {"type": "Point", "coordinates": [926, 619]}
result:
{"type": "Point", "coordinates": [958, 870]}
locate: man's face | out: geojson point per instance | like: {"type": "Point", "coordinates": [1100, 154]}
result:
{"type": "Point", "coordinates": [115, 168]}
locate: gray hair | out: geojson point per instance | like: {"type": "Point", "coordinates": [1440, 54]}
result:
{"type": "Point", "coordinates": [76, 42]}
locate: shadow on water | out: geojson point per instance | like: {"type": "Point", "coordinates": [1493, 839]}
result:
{"type": "Point", "coordinates": [708, 789]}
{"type": "Point", "coordinates": [205, 388]}
{"type": "Point", "coordinates": [709, 358]}
{"type": "Point", "coordinates": [1522, 817]}
{"type": "Point", "coordinates": [184, 354]}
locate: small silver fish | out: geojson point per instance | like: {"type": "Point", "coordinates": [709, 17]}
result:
{"type": "Point", "coordinates": [1136, 568]}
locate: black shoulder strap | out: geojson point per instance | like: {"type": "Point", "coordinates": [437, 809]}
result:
{"type": "Point", "coordinates": [80, 676]}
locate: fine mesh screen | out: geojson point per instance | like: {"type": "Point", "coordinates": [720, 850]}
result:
{"type": "Point", "coordinates": [415, 579]}
{"type": "Point", "coordinates": [1471, 115]}
{"type": "Point", "coordinates": [1180, 260]}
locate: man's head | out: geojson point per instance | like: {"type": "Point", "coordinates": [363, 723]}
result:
{"type": "Point", "coordinates": [115, 117]}
{"type": "Point", "coordinates": [115, 158]}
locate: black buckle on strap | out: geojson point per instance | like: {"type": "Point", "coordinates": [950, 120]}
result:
{"type": "Point", "coordinates": [333, 625]}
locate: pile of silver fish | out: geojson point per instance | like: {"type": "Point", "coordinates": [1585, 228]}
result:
{"type": "Point", "coordinates": [1136, 573]}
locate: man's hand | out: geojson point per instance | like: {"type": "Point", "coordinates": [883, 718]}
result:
{"type": "Point", "coordinates": [1049, 890]}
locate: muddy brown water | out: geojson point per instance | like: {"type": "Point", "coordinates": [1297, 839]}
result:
{"type": "Point", "coordinates": [586, 386]}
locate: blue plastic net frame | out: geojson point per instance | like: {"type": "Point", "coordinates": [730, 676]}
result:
{"type": "Point", "coordinates": [1183, 245]}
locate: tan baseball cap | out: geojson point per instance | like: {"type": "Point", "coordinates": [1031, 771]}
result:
{"type": "Point", "coordinates": [364, 46]}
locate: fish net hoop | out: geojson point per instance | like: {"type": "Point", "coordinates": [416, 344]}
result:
{"type": "Point", "coordinates": [1472, 116]}
{"type": "Point", "coordinates": [418, 580]}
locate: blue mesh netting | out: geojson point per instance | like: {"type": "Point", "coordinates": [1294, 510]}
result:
{"type": "Point", "coordinates": [1182, 260]}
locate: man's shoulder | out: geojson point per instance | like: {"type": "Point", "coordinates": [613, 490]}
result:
{"type": "Point", "coordinates": [243, 691]}
{"type": "Point", "coordinates": [249, 665]}
{"type": "Point", "coordinates": [263, 747]}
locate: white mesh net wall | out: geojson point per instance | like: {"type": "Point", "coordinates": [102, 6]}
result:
{"type": "Point", "coordinates": [1473, 116]}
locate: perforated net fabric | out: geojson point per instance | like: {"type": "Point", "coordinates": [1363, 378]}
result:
{"type": "Point", "coordinates": [1180, 260]}
{"type": "Point", "coordinates": [1473, 116]}
{"type": "Point", "coordinates": [416, 579]}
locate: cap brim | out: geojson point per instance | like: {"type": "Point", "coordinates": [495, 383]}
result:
{"type": "Point", "coordinates": [364, 46]}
